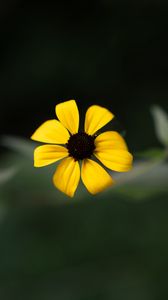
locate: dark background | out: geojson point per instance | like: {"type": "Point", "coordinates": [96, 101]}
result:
{"type": "Point", "coordinates": [114, 245]}
{"type": "Point", "coordinates": [113, 53]}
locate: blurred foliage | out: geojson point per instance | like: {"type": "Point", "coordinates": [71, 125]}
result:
{"type": "Point", "coordinates": [89, 247]}
{"type": "Point", "coordinates": [146, 178]}
{"type": "Point", "coordinates": [161, 124]}
{"type": "Point", "coordinates": [102, 247]}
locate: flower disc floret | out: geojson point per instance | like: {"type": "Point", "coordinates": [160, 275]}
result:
{"type": "Point", "coordinates": [81, 145]}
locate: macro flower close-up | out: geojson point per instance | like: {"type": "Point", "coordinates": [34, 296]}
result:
{"type": "Point", "coordinates": [66, 143]}
{"type": "Point", "coordinates": [84, 150]}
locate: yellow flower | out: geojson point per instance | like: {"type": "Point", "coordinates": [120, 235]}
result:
{"type": "Point", "coordinates": [108, 147]}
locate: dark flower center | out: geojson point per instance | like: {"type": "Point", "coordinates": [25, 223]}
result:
{"type": "Point", "coordinates": [81, 145]}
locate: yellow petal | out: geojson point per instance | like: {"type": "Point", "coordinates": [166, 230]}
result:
{"type": "Point", "coordinates": [116, 160]}
{"type": "Point", "coordinates": [94, 177]}
{"type": "Point", "coordinates": [67, 176]}
{"type": "Point", "coordinates": [96, 118]}
{"type": "Point", "coordinates": [68, 114]}
{"type": "Point", "coordinates": [110, 140]}
{"type": "Point", "coordinates": [51, 131]}
{"type": "Point", "coordinates": [48, 154]}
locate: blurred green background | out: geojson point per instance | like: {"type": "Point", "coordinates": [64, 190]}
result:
{"type": "Point", "coordinates": [113, 245]}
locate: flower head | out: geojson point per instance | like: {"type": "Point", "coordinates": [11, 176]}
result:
{"type": "Point", "coordinates": [64, 142]}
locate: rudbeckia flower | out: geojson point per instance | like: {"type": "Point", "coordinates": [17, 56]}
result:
{"type": "Point", "coordinates": [109, 148]}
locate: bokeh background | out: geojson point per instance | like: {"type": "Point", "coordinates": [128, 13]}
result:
{"type": "Point", "coordinates": [114, 245]}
